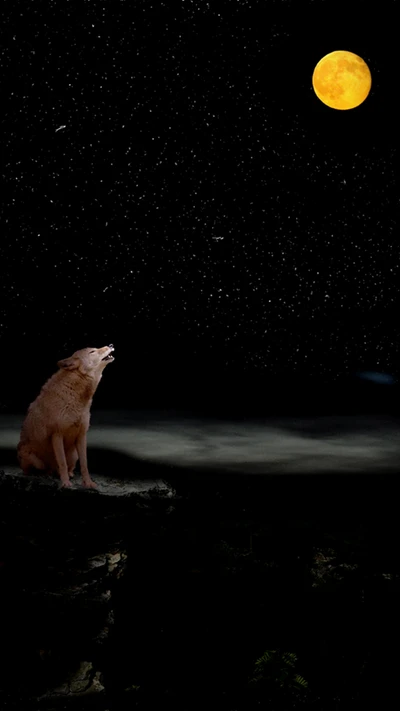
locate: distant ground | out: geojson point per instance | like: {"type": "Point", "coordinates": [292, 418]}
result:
{"type": "Point", "coordinates": [292, 445]}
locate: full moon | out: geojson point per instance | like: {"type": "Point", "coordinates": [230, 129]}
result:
{"type": "Point", "coordinates": [342, 80]}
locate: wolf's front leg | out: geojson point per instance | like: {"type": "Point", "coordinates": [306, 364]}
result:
{"type": "Point", "coordinates": [81, 446]}
{"type": "Point", "coordinates": [58, 448]}
{"type": "Point", "coordinates": [72, 457]}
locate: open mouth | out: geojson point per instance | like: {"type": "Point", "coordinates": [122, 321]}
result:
{"type": "Point", "coordinates": [109, 356]}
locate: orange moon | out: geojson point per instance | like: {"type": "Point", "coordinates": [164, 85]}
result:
{"type": "Point", "coordinates": [342, 80]}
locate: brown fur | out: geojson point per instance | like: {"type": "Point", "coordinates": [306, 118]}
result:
{"type": "Point", "coordinates": [53, 435]}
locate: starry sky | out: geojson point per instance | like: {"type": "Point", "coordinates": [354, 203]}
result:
{"type": "Point", "coordinates": [171, 184]}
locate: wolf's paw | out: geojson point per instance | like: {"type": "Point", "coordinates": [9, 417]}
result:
{"type": "Point", "coordinates": [66, 484]}
{"type": "Point", "coordinates": [89, 484]}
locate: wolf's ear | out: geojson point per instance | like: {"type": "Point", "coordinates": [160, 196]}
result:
{"type": "Point", "coordinates": [68, 363]}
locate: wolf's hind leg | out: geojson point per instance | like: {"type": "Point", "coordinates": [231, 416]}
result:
{"type": "Point", "coordinates": [30, 461]}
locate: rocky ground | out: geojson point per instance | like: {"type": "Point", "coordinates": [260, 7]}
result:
{"type": "Point", "coordinates": [62, 556]}
{"type": "Point", "coordinates": [186, 589]}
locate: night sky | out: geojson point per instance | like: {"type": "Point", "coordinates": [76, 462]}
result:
{"type": "Point", "coordinates": [171, 184]}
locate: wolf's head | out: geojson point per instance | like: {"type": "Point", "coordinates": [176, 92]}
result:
{"type": "Point", "coordinates": [88, 361]}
